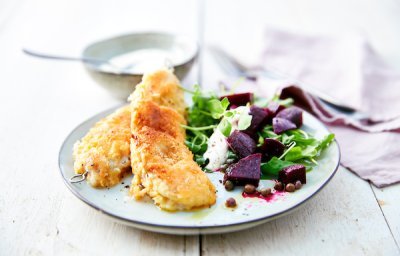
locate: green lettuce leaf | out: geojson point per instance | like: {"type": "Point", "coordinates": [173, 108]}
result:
{"type": "Point", "coordinates": [225, 127]}
{"type": "Point", "coordinates": [273, 166]}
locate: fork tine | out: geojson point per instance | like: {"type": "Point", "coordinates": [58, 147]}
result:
{"type": "Point", "coordinates": [227, 62]}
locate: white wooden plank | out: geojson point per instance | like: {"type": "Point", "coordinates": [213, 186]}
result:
{"type": "Point", "coordinates": [388, 200]}
{"type": "Point", "coordinates": [40, 103]}
{"type": "Point", "coordinates": [7, 9]}
{"type": "Point", "coordinates": [343, 219]}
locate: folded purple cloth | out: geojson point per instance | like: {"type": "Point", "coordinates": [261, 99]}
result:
{"type": "Point", "coordinates": [347, 69]}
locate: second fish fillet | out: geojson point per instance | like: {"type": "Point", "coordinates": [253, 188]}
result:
{"type": "Point", "coordinates": [162, 165]}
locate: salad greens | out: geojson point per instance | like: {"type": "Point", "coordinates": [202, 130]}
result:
{"type": "Point", "coordinates": [208, 113]}
{"type": "Point", "coordinates": [302, 148]}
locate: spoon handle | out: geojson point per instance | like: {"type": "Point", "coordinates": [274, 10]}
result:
{"type": "Point", "coordinates": [59, 57]}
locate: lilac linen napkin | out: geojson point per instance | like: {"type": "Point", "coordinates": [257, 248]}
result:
{"type": "Point", "coordinates": [347, 69]}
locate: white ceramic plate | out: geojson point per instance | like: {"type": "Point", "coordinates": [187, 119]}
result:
{"type": "Point", "coordinates": [250, 212]}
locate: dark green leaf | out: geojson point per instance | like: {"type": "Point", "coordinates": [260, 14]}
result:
{"type": "Point", "coordinates": [225, 127]}
{"type": "Point", "coordinates": [200, 160]}
{"type": "Point", "coordinates": [286, 139]}
{"type": "Point", "coordinates": [273, 166]}
{"type": "Point", "coordinates": [224, 103]}
{"type": "Point", "coordinates": [229, 113]}
{"type": "Point", "coordinates": [297, 153]}
{"type": "Point", "coordinates": [232, 155]}
{"type": "Point", "coordinates": [217, 108]}
{"type": "Point", "coordinates": [267, 132]}
{"type": "Point", "coordinates": [326, 141]}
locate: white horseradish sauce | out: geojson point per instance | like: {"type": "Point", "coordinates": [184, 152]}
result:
{"type": "Point", "coordinates": [217, 146]}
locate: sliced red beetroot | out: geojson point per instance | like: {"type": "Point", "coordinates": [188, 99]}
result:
{"type": "Point", "coordinates": [293, 173]}
{"type": "Point", "coordinates": [242, 144]}
{"type": "Point", "coordinates": [258, 119]}
{"type": "Point", "coordinates": [246, 171]}
{"type": "Point", "coordinates": [274, 108]}
{"type": "Point", "coordinates": [281, 125]}
{"type": "Point", "coordinates": [239, 99]}
{"type": "Point", "coordinates": [271, 148]}
{"type": "Point", "coordinates": [293, 114]}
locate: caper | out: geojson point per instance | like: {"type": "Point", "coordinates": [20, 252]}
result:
{"type": "Point", "coordinates": [278, 186]}
{"type": "Point", "coordinates": [230, 202]}
{"type": "Point", "coordinates": [298, 184]}
{"type": "Point", "coordinates": [249, 189]}
{"type": "Point", "coordinates": [229, 185]}
{"type": "Point", "coordinates": [290, 187]}
{"type": "Point", "coordinates": [265, 191]}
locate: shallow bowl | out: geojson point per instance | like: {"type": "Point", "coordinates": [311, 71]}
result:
{"type": "Point", "coordinates": [120, 82]}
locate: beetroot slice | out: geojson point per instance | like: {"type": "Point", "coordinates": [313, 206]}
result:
{"type": "Point", "coordinates": [274, 108]}
{"type": "Point", "coordinates": [293, 114]}
{"type": "Point", "coordinates": [268, 119]}
{"type": "Point", "coordinates": [271, 148]}
{"type": "Point", "coordinates": [293, 173]}
{"type": "Point", "coordinates": [239, 99]}
{"type": "Point", "coordinates": [246, 171]}
{"type": "Point", "coordinates": [258, 119]}
{"type": "Point", "coordinates": [281, 125]}
{"type": "Point", "coordinates": [242, 144]}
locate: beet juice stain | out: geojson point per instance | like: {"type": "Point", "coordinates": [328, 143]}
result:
{"type": "Point", "coordinates": [270, 198]}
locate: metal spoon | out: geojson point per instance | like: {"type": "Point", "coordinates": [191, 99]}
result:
{"type": "Point", "coordinates": [59, 57]}
{"type": "Point", "coordinates": [98, 62]}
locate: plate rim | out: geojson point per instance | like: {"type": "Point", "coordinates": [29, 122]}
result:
{"type": "Point", "coordinates": [144, 224]}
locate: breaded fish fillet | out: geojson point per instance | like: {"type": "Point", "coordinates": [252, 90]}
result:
{"type": "Point", "coordinates": [162, 88]}
{"type": "Point", "coordinates": [104, 152]}
{"type": "Point", "coordinates": [163, 119]}
{"type": "Point", "coordinates": [164, 169]}
{"type": "Point", "coordinates": [162, 165]}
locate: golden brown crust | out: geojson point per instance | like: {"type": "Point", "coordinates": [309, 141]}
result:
{"type": "Point", "coordinates": [163, 166]}
{"type": "Point", "coordinates": [104, 152]}
{"type": "Point", "coordinates": [162, 88]}
{"type": "Point", "coordinates": [164, 169]}
{"type": "Point", "coordinates": [162, 119]}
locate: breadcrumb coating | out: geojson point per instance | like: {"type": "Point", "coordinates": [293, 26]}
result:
{"type": "Point", "coordinates": [104, 152]}
{"type": "Point", "coordinates": [162, 165]}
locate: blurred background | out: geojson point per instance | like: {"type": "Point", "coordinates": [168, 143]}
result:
{"type": "Point", "coordinates": [66, 27]}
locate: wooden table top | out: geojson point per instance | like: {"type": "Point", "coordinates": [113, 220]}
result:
{"type": "Point", "coordinates": [42, 101]}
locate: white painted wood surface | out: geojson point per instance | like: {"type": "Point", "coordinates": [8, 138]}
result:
{"type": "Point", "coordinates": [388, 200]}
{"type": "Point", "coordinates": [41, 102]}
{"type": "Point", "coordinates": [338, 221]}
